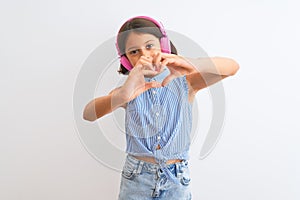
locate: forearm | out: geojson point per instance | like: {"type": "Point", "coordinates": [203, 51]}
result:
{"type": "Point", "coordinates": [101, 106]}
{"type": "Point", "coordinates": [215, 65]}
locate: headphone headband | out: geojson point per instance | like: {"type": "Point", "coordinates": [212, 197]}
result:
{"type": "Point", "coordinates": [164, 41]}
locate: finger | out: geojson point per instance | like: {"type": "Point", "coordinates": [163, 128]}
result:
{"type": "Point", "coordinates": [147, 72]}
{"type": "Point", "coordinates": [160, 69]}
{"type": "Point", "coordinates": [145, 64]}
{"type": "Point", "coordinates": [165, 62]}
{"type": "Point", "coordinates": [157, 61]}
{"type": "Point", "coordinates": [147, 58]}
{"type": "Point", "coordinates": [149, 66]}
{"type": "Point", "coordinates": [169, 61]}
{"type": "Point", "coordinates": [137, 67]}
{"type": "Point", "coordinates": [167, 55]}
{"type": "Point", "coordinates": [164, 55]}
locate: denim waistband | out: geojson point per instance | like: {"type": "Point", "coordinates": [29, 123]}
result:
{"type": "Point", "coordinates": [152, 167]}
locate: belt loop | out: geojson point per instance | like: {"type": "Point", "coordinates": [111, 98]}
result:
{"type": "Point", "coordinates": [156, 191]}
{"type": "Point", "coordinates": [140, 167]}
{"type": "Point", "coordinates": [178, 172]}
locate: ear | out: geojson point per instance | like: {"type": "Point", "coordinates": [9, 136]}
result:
{"type": "Point", "coordinates": [125, 62]}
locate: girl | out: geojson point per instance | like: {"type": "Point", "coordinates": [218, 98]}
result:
{"type": "Point", "coordinates": [157, 97]}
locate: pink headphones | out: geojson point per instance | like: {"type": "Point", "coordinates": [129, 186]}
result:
{"type": "Point", "coordinates": [164, 42]}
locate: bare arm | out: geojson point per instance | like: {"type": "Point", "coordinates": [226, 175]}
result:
{"type": "Point", "coordinates": [101, 106]}
{"type": "Point", "coordinates": [199, 81]}
{"type": "Point", "coordinates": [209, 71]}
{"type": "Point", "coordinates": [202, 72]}
{"type": "Point", "coordinates": [215, 65]}
{"type": "Point", "coordinates": [134, 85]}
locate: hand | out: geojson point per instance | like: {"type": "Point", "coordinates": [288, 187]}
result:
{"type": "Point", "coordinates": [177, 65]}
{"type": "Point", "coordinates": [151, 62]}
{"type": "Point", "coordinates": [135, 83]}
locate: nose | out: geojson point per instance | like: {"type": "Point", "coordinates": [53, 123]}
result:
{"type": "Point", "coordinates": [145, 52]}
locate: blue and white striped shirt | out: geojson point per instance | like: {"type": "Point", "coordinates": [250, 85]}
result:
{"type": "Point", "coordinates": [160, 116]}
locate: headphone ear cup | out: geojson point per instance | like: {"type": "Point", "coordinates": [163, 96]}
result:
{"type": "Point", "coordinates": [125, 62]}
{"type": "Point", "coordinates": [165, 45]}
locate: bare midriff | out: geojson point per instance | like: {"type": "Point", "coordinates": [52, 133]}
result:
{"type": "Point", "coordinates": [152, 159]}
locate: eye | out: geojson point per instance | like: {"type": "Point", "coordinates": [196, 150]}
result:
{"type": "Point", "coordinates": [149, 46]}
{"type": "Point", "coordinates": [133, 52]}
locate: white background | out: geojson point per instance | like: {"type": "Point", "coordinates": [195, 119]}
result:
{"type": "Point", "coordinates": [43, 45]}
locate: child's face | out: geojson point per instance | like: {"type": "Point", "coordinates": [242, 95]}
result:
{"type": "Point", "coordinates": [141, 44]}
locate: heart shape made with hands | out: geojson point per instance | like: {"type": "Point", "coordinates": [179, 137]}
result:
{"type": "Point", "coordinates": [176, 64]}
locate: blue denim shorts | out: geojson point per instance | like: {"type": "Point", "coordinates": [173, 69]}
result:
{"type": "Point", "coordinates": [144, 181]}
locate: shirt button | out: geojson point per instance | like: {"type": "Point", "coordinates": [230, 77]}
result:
{"type": "Point", "coordinates": [154, 92]}
{"type": "Point", "coordinates": [158, 137]}
{"type": "Point", "coordinates": [157, 114]}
